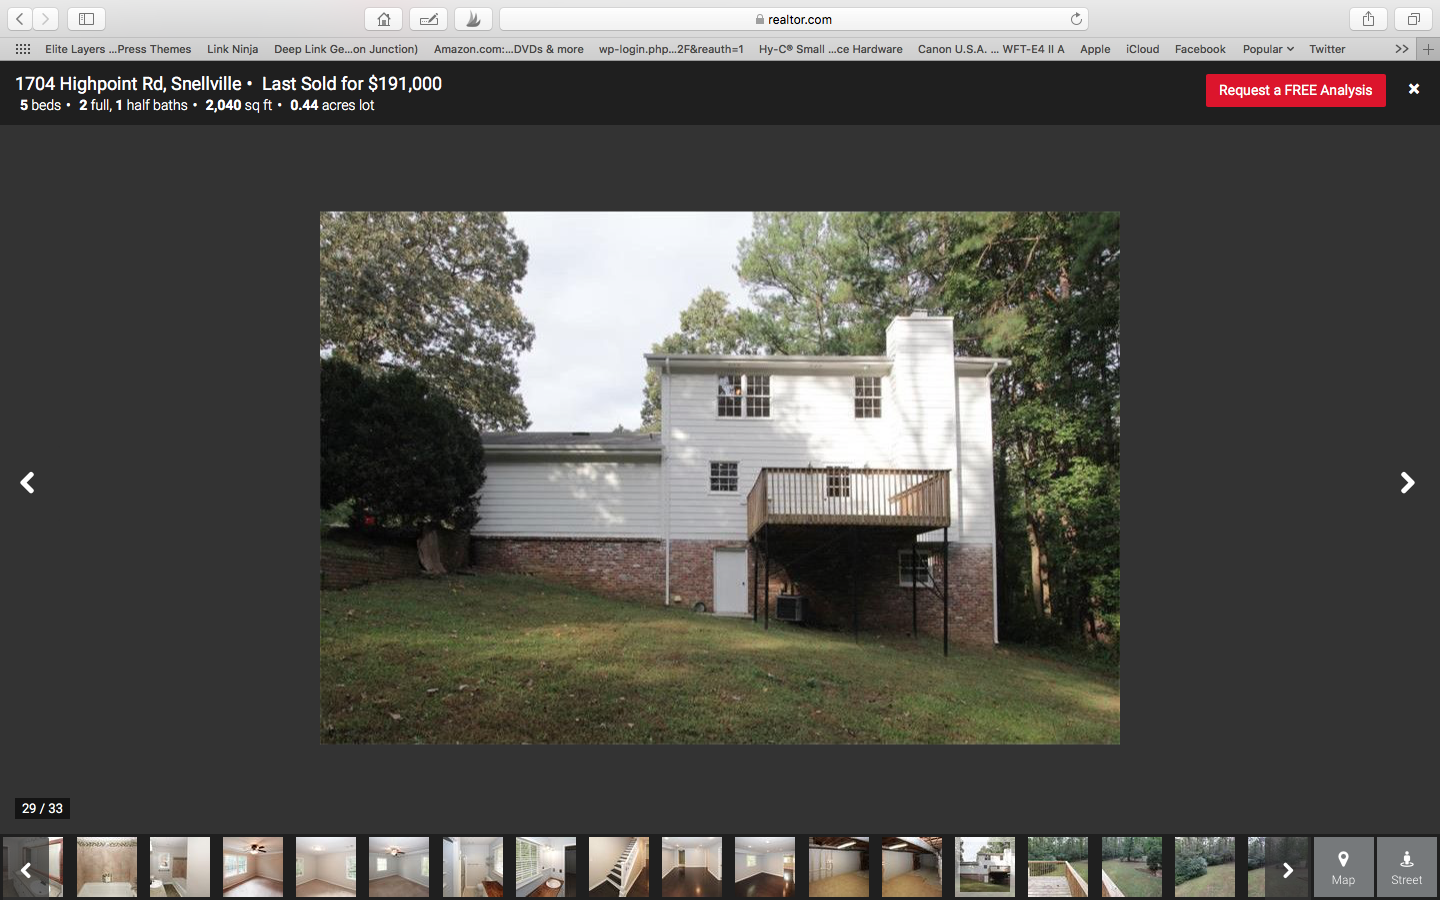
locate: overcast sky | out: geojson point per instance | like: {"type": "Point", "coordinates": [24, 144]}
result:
{"type": "Point", "coordinates": [603, 287]}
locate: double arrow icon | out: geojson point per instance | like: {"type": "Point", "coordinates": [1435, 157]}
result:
{"type": "Point", "coordinates": [1409, 483]}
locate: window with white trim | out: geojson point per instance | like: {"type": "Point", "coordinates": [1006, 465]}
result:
{"type": "Point", "coordinates": [499, 854]}
{"type": "Point", "coordinates": [425, 867]}
{"type": "Point", "coordinates": [837, 482]}
{"type": "Point", "coordinates": [724, 476]}
{"type": "Point", "coordinates": [918, 566]}
{"type": "Point", "coordinates": [380, 863]}
{"type": "Point", "coordinates": [350, 868]}
{"type": "Point", "coordinates": [527, 860]}
{"type": "Point", "coordinates": [742, 396]}
{"type": "Point", "coordinates": [867, 397]}
{"type": "Point", "coordinates": [236, 864]}
{"type": "Point", "coordinates": [164, 860]}
{"type": "Point", "coordinates": [751, 861]}
{"type": "Point", "coordinates": [299, 867]}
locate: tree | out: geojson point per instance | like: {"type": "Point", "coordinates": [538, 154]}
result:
{"type": "Point", "coordinates": [1129, 845]}
{"type": "Point", "coordinates": [433, 292]}
{"type": "Point", "coordinates": [708, 325]}
{"type": "Point", "coordinates": [1153, 854]}
{"type": "Point", "coordinates": [397, 448]}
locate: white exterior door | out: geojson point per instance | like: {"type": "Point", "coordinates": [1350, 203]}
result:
{"type": "Point", "coordinates": [730, 582]}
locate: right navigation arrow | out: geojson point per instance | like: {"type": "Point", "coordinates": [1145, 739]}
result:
{"type": "Point", "coordinates": [1288, 871]}
{"type": "Point", "coordinates": [1409, 482]}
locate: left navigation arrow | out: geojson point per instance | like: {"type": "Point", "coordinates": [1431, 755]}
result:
{"type": "Point", "coordinates": [25, 483]}
{"type": "Point", "coordinates": [1409, 482]}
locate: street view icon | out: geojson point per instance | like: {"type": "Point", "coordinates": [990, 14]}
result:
{"type": "Point", "coordinates": [1407, 863]}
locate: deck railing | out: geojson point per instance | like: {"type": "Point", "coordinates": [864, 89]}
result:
{"type": "Point", "coordinates": [1051, 867]}
{"type": "Point", "coordinates": [1108, 888]}
{"type": "Point", "coordinates": [837, 496]}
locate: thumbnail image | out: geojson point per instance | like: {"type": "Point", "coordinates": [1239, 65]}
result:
{"type": "Point", "coordinates": [765, 866]}
{"type": "Point", "coordinates": [1058, 866]}
{"type": "Point", "coordinates": [1133, 866]}
{"type": "Point", "coordinates": [1204, 867]}
{"type": "Point", "coordinates": [325, 866]}
{"type": "Point", "coordinates": [179, 867]}
{"type": "Point", "coordinates": [399, 867]}
{"type": "Point", "coordinates": [104, 861]}
{"type": "Point", "coordinates": [985, 865]}
{"type": "Point", "coordinates": [619, 866]}
{"type": "Point", "coordinates": [910, 866]}
{"type": "Point", "coordinates": [839, 866]}
{"type": "Point", "coordinates": [473, 867]}
{"type": "Point", "coordinates": [479, 417]}
{"type": "Point", "coordinates": [33, 867]}
{"type": "Point", "coordinates": [690, 866]}
{"type": "Point", "coordinates": [1286, 872]}
{"type": "Point", "coordinates": [253, 866]}
{"type": "Point", "coordinates": [545, 867]}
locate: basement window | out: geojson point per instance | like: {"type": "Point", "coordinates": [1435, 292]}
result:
{"type": "Point", "coordinates": [917, 566]}
{"type": "Point", "coordinates": [867, 397]}
{"type": "Point", "coordinates": [724, 476]}
{"type": "Point", "coordinates": [299, 867]}
{"type": "Point", "coordinates": [750, 861]}
{"type": "Point", "coordinates": [837, 482]}
{"type": "Point", "coordinates": [742, 396]}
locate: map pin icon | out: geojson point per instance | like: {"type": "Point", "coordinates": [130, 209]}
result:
{"type": "Point", "coordinates": [1344, 858]}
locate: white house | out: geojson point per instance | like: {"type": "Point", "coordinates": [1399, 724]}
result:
{"type": "Point", "coordinates": [837, 472]}
{"type": "Point", "coordinates": [992, 868]}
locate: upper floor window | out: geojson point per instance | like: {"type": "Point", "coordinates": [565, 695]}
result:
{"type": "Point", "coordinates": [742, 396]}
{"type": "Point", "coordinates": [867, 397]}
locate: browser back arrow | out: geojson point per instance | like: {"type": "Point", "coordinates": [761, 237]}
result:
{"type": "Point", "coordinates": [1409, 482]}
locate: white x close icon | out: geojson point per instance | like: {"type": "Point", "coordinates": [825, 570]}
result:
{"type": "Point", "coordinates": [1415, 88]}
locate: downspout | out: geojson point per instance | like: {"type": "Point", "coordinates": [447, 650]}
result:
{"type": "Point", "coordinates": [665, 469]}
{"type": "Point", "coordinates": [994, 536]}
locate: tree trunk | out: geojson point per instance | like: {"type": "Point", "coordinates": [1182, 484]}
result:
{"type": "Point", "coordinates": [1039, 590]}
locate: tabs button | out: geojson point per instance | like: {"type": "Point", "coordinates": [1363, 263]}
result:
{"type": "Point", "coordinates": [1406, 19]}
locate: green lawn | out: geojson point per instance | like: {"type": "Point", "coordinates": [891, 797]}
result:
{"type": "Point", "coordinates": [1133, 878]}
{"type": "Point", "coordinates": [967, 886]}
{"type": "Point", "coordinates": [1081, 866]}
{"type": "Point", "coordinates": [1218, 881]}
{"type": "Point", "coordinates": [511, 659]}
{"type": "Point", "coordinates": [1255, 882]}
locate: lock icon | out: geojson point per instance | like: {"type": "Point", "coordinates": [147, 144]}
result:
{"type": "Point", "coordinates": [1368, 20]}
{"type": "Point", "coordinates": [759, 19]}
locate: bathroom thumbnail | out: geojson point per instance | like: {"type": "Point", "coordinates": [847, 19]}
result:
{"type": "Point", "coordinates": [107, 866]}
{"type": "Point", "coordinates": [473, 867]}
{"type": "Point", "coordinates": [545, 867]}
{"type": "Point", "coordinates": [33, 867]}
{"type": "Point", "coordinates": [179, 867]}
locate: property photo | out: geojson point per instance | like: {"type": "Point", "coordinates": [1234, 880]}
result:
{"type": "Point", "coordinates": [253, 866]}
{"type": "Point", "coordinates": [690, 866]}
{"type": "Point", "coordinates": [179, 867]}
{"type": "Point", "coordinates": [619, 866]}
{"type": "Point", "coordinates": [1131, 866]}
{"type": "Point", "coordinates": [1205, 867]}
{"type": "Point", "coordinates": [399, 867]}
{"type": "Point", "coordinates": [985, 865]}
{"type": "Point", "coordinates": [911, 866]}
{"type": "Point", "coordinates": [473, 867]}
{"type": "Point", "coordinates": [325, 866]}
{"type": "Point", "coordinates": [545, 867]}
{"type": "Point", "coordinates": [1058, 866]}
{"type": "Point", "coordinates": [107, 866]}
{"type": "Point", "coordinates": [839, 866]}
{"type": "Point", "coordinates": [765, 866]}
{"type": "Point", "coordinates": [33, 866]}
{"type": "Point", "coordinates": [760, 443]}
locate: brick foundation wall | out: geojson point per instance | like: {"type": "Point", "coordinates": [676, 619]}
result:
{"type": "Point", "coordinates": [353, 559]}
{"type": "Point", "coordinates": [692, 571]}
{"type": "Point", "coordinates": [630, 568]}
{"type": "Point", "coordinates": [821, 567]}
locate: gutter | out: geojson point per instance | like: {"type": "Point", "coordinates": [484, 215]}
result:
{"type": "Point", "coordinates": [665, 470]}
{"type": "Point", "coordinates": [994, 526]}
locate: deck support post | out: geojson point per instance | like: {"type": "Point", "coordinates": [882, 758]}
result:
{"type": "Point", "coordinates": [854, 594]}
{"type": "Point", "coordinates": [914, 585]}
{"type": "Point", "coordinates": [754, 580]}
{"type": "Point", "coordinates": [767, 577]}
{"type": "Point", "coordinates": [945, 570]}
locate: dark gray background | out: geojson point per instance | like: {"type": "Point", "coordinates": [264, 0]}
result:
{"type": "Point", "coordinates": [159, 378]}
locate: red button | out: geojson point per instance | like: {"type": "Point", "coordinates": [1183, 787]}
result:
{"type": "Point", "coordinates": [1294, 90]}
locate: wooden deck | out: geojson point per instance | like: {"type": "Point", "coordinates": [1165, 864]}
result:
{"type": "Point", "coordinates": [1048, 886]}
{"type": "Point", "coordinates": [884, 498]}
{"type": "Point", "coordinates": [1054, 881]}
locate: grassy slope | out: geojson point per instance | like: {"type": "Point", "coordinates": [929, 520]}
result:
{"type": "Point", "coordinates": [964, 886]}
{"type": "Point", "coordinates": [1218, 881]}
{"type": "Point", "coordinates": [1132, 878]}
{"type": "Point", "coordinates": [544, 663]}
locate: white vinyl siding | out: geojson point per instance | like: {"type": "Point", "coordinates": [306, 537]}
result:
{"type": "Point", "coordinates": [975, 516]}
{"type": "Point", "coordinates": [570, 498]}
{"type": "Point", "coordinates": [811, 422]}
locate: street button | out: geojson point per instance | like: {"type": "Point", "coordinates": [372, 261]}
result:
{"type": "Point", "coordinates": [1345, 867]}
{"type": "Point", "coordinates": [1405, 867]}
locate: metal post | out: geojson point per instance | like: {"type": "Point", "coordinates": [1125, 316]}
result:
{"type": "Point", "coordinates": [945, 567]}
{"type": "Point", "coordinates": [767, 577]}
{"type": "Point", "coordinates": [854, 594]}
{"type": "Point", "coordinates": [754, 580]}
{"type": "Point", "coordinates": [914, 583]}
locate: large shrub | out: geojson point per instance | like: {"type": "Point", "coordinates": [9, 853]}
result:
{"type": "Point", "coordinates": [1188, 867]}
{"type": "Point", "coordinates": [1153, 855]}
{"type": "Point", "coordinates": [396, 448]}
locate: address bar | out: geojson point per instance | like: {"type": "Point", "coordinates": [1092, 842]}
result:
{"type": "Point", "coordinates": [763, 17]}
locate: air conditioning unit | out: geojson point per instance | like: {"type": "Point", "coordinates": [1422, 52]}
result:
{"type": "Point", "coordinates": [790, 608]}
